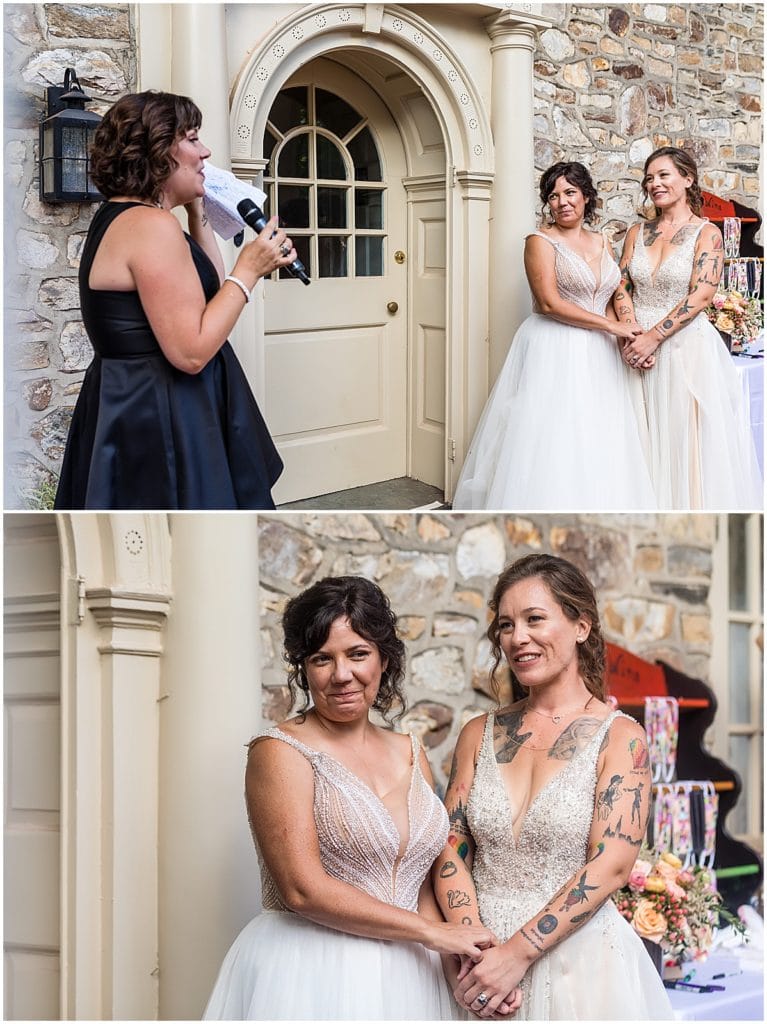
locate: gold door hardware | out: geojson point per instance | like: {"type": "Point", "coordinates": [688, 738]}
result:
{"type": "Point", "coordinates": [399, 256]}
{"type": "Point", "coordinates": [392, 307]}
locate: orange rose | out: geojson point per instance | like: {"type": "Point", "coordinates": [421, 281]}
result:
{"type": "Point", "coordinates": [670, 858]}
{"type": "Point", "coordinates": [649, 922]}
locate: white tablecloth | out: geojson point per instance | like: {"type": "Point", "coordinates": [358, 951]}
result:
{"type": "Point", "coordinates": [751, 373]}
{"type": "Point", "coordinates": [742, 998]}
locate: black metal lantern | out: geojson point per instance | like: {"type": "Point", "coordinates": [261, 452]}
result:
{"type": "Point", "coordinates": [66, 135]}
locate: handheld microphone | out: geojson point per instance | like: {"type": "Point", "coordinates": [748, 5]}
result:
{"type": "Point", "coordinates": [254, 218]}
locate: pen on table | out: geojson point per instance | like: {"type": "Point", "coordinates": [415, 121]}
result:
{"type": "Point", "coordinates": [726, 974]}
{"type": "Point", "coordinates": [694, 988]}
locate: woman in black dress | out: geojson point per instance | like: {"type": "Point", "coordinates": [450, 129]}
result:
{"type": "Point", "coordinates": [165, 418]}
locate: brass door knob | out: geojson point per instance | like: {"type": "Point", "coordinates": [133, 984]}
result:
{"type": "Point", "coordinates": [392, 307]}
{"type": "Point", "coordinates": [399, 256]}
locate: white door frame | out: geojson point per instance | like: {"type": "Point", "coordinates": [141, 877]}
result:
{"type": "Point", "coordinates": [413, 45]}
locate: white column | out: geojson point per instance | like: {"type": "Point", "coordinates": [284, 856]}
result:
{"type": "Point", "coordinates": [513, 204]}
{"type": "Point", "coordinates": [209, 708]}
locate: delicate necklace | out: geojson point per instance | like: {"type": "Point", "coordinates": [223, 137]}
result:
{"type": "Point", "coordinates": [556, 719]}
{"type": "Point", "coordinates": [675, 227]}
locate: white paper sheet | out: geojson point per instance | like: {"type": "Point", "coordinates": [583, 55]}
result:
{"type": "Point", "coordinates": [223, 191]}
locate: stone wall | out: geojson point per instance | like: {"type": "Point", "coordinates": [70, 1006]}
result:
{"type": "Point", "coordinates": [46, 348]}
{"type": "Point", "coordinates": [614, 82]}
{"type": "Point", "coordinates": [611, 83]}
{"type": "Point", "coordinates": [652, 574]}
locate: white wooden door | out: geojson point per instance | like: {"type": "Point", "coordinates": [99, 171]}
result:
{"type": "Point", "coordinates": [336, 351]}
{"type": "Point", "coordinates": [427, 333]}
{"type": "Point", "coordinates": [32, 770]}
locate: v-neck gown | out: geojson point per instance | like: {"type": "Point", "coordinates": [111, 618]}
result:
{"type": "Point", "coordinates": [560, 430]}
{"type": "Point", "coordinates": [702, 454]}
{"type": "Point", "coordinates": [285, 967]}
{"type": "Point", "coordinates": [599, 972]}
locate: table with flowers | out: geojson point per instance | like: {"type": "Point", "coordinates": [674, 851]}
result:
{"type": "Point", "coordinates": [676, 910]}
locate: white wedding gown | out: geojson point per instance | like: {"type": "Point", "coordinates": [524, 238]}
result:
{"type": "Point", "coordinates": [702, 454]}
{"type": "Point", "coordinates": [560, 429]}
{"type": "Point", "coordinates": [602, 970]}
{"type": "Point", "coordinates": [285, 967]}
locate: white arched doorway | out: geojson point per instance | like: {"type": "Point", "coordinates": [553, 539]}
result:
{"type": "Point", "coordinates": [357, 381]}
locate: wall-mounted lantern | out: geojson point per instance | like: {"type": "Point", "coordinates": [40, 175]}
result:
{"type": "Point", "coordinates": [66, 134]}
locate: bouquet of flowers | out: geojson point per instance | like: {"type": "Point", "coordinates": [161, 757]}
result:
{"type": "Point", "coordinates": [734, 314]}
{"type": "Point", "coordinates": [674, 907]}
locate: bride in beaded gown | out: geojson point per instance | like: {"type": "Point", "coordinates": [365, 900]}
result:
{"type": "Point", "coordinates": [702, 454]}
{"type": "Point", "coordinates": [548, 802]}
{"type": "Point", "coordinates": [559, 430]}
{"type": "Point", "coordinates": [347, 827]}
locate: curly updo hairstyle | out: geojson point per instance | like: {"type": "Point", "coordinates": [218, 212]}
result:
{"type": "Point", "coordinates": [576, 174]}
{"type": "Point", "coordinates": [685, 164]}
{"type": "Point", "coordinates": [131, 146]}
{"type": "Point", "coordinates": [574, 595]}
{"type": "Point", "coordinates": [306, 624]}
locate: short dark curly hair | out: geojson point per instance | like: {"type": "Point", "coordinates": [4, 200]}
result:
{"type": "Point", "coordinates": [131, 146]}
{"type": "Point", "coordinates": [685, 164]}
{"type": "Point", "coordinates": [575, 596]}
{"type": "Point", "coordinates": [576, 174]}
{"type": "Point", "coordinates": [306, 624]}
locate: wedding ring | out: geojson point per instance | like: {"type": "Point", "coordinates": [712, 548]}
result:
{"type": "Point", "coordinates": [284, 250]}
{"type": "Point", "coordinates": [483, 998]}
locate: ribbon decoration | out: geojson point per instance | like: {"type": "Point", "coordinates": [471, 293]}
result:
{"type": "Point", "coordinates": [661, 720]}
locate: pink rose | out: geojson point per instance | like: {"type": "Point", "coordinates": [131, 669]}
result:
{"type": "Point", "coordinates": [644, 867]}
{"type": "Point", "coordinates": [685, 878]}
{"type": "Point", "coordinates": [637, 880]}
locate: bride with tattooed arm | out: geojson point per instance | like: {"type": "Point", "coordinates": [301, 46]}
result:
{"type": "Point", "coordinates": [702, 454]}
{"type": "Point", "coordinates": [548, 802]}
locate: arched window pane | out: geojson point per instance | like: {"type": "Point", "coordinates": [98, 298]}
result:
{"type": "Point", "coordinates": [294, 158]}
{"type": "Point", "coordinates": [369, 256]}
{"type": "Point", "coordinates": [290, 109]}
{"type": "Point", "coordinates": [367, 166]}
{"type": "Point", "coordinates": [332, 254]}
{"type": "Point", "coordinates": [368, 208]}
{"type": "Point", "coordinates": [293, 206]}
{"type": "Point", "coordinates": [335, 114]}
{"type": "Point", "coordinates": [330, 163]}
{"type": "Point", "coordinates": [331, 207]}
{"type": "Point", "coordinates": [269, 143]}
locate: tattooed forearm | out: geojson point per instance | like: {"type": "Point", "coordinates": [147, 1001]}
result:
{"type": "Point", "coordinates": [458, 822]}
{"type": "Point", "coordinates": [448, 869]}
{"type": "Point", "coordinates": [457, 898]}
{"type": "Point", "coordinates": [533, 942]}
{"type": "Point", "coordinates": [547, 924]}
{"type": "Point", "coordinates": [582, 918]}
{"type": "Point", "coordinates": [578, 894]}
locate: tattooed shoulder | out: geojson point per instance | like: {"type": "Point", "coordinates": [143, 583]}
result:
{"type": "Point", "coordinates": [574, 738]}
{"type": "Point", "coordinates": [508, 735]}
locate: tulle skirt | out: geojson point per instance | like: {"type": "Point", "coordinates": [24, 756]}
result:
{"type": "Point", "coordinates": [283, 967]}
{"type": "Point", "coordinates": [702, 454]}
{"type": "Point", "coordinates": [560, 429]}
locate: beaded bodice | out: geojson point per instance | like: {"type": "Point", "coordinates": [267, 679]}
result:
{"type": "Point", "coordinates": [359, 842]}
{"type": "Point", "coordinates": [577, 282]}
{"type": "Point", "coordinates": [515, 877]}
{"type": "Point", "coordinates": [656, 296]}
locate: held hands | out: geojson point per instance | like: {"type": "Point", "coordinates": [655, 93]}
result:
{"type": "Point", "coordinates": [466, 940]}
{"type": "Point", "coordinates": [490, 988]}
{"type": "Point", "coordinates": [641, 349]}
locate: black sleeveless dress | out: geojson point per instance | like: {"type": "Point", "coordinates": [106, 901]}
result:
{"type": "Point", "coordinates": [145, 435]}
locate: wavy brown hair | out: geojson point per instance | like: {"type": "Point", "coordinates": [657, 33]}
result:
{"type": "Point", "coordinates": [685, 164]}
{"type": "Point", "coordinates": [574, 173]}
{"type": "Point", "coordinates": [306, 624]}
{"type": "Point", "coordinates": [574, 595]}
{"type": "Point", "coordinates": [131, 146]}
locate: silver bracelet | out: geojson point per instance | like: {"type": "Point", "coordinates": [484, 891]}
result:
{"type": "Point", "coordinates": [240, 284]}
